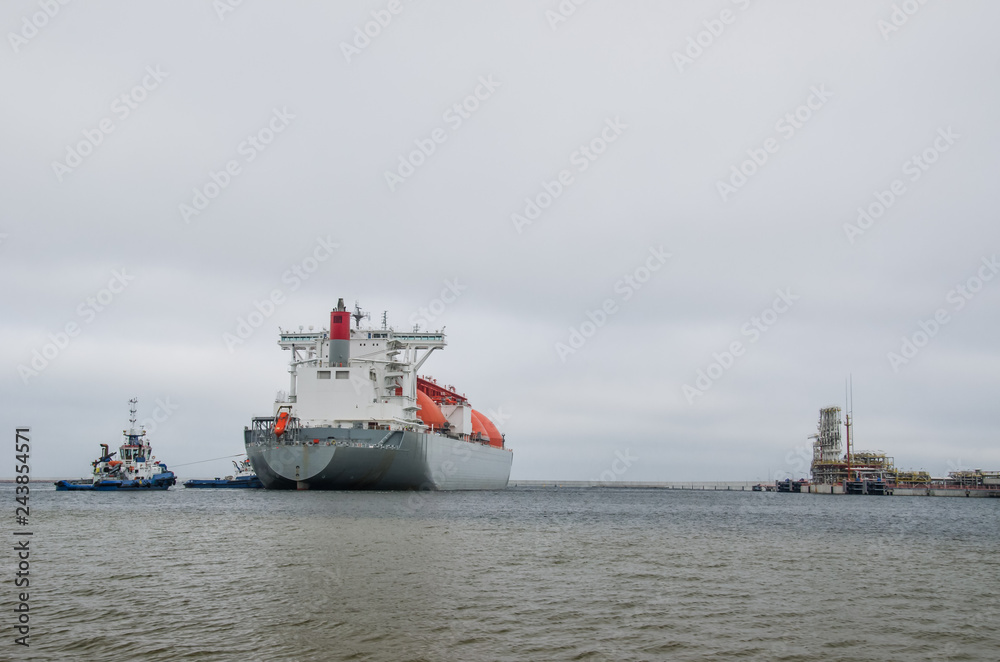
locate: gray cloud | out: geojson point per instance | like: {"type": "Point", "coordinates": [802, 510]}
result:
{"type": "Point", "coordinates": [656, 185]}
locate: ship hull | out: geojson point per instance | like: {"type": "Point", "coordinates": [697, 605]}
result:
{"type": "Point", "coordinates": [356, 459]}
{"type": "Point", "coordinates": [221, 483]}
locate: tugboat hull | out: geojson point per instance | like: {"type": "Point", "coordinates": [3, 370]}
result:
{"type": "Point", "coordinates": [162, 481]}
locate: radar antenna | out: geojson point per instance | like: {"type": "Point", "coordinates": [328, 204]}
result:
{"type": "Point", "coordinates": [358, 315]}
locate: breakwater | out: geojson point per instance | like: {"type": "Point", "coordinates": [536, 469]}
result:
{"type": "Point", "coordinates": [738, 486]}
{"type": "Point", "coordinates": [937, 490]}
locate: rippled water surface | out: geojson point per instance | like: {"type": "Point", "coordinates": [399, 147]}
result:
{"type": "Point", "coordinates": [598, 574]}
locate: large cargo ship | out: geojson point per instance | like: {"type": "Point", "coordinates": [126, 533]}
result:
{"type": "Point", "coordinates": [357, 416]}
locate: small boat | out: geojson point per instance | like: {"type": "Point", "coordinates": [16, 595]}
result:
{"type": "Point", "coordinates": [135, 469]}
{"type": "Point", "coordinates": [244, 477]}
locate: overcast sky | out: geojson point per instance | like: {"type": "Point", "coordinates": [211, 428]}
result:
{"type": "Point", "coordinates": [694, 171]}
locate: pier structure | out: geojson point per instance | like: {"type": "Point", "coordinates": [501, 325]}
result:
{"type": "Point", "coordinates": [698, 485]}
{"type": "Point", "coordinates": [828, 465]}
{"type": "Point", "coordinates": [874, 472]}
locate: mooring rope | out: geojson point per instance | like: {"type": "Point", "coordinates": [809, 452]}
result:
{"type": "Point", "coordinates": [225, 457]}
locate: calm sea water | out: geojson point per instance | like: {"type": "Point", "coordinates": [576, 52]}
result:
{"type": "Point", "coordinates": [598, 574]}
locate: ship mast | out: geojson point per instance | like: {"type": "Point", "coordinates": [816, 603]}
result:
{"type": "Point", "coordinates": [131, 412]}
{"type": "Point", "coordinates": [849, 406]}
{"type": "Point", "coordinates": [133, 433]}
{"type": "Point", "coordinates": [358, 315]}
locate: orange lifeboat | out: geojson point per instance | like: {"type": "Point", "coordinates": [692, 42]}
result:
{"type": "Point", "coordinates": [281, 424]}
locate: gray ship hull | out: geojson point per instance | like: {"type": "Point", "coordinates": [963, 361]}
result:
{"type": "Point", "coordinates": [356, 459]}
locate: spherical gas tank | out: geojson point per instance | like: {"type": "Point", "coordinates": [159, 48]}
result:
{"type": "Point", "coordinates": [429, 412]}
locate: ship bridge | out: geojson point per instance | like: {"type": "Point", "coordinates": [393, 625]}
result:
{"type": "Point", "coordinates": [338, 373]}
{"type": "Point", "coordinates": [419, 340]}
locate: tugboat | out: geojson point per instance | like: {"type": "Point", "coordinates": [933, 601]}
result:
{"type": "Point", "coordinates": [244, 477]}
{"type": "Point", "coordinates": [135, 469]}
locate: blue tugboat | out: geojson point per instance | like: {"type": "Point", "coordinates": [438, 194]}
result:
{"type": "Point", "coordinates": [244, 477]}
{"type": "Point", "coordinates": [135, 469]}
